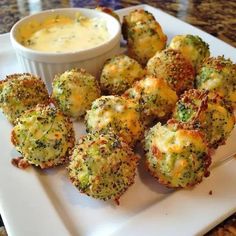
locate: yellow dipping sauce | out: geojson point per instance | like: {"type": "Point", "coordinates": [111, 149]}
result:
{"type": "Point", "coordinates": [63, 34]}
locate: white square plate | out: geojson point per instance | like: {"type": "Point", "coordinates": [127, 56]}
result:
{"type": "Point", "coordinates": [35, 202]}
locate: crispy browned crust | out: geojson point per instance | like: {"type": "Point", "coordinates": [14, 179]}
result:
{"type": "Point", "coordinates": [218, 63]}
{"type": "Point", "coordinates": [16, 75]}
{"type": "Point", "coordinates": [13, 138]}
{"type": "Point", "coordinates": [176, 67]}
{"type": "Point", "coordinates": [26, 83]}
{"type": "Point", "coordinates": [51, 164]}
{"type": "Point", "coordinates": [20, 163]}
{"type": "Point", "coordinates": [204, 97]}
{"type": "Point", "coordinates": [115, 198]}
{"type": "Point", "coordinates": [193, 94]}
{"type": "Point", "coordinates": [178, 125]}
{"type": "Point", "coordinates": [188, 97]}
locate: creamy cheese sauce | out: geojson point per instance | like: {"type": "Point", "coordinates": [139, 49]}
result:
{"type": "Point", "coordinates": [63, 34]}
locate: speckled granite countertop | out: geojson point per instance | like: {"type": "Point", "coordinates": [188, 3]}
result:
{"type": "Point", "coordinates": [217, 17]}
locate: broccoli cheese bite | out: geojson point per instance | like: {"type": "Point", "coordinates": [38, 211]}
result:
{"type": "Point", "coordinates": [135, 17]}
{"type": "Point", "coordinates": [176, 156]}
{"type": "Point", "coordinates": [192, 47]}
{"type": "Point", "coordinates": [218, 75]}
{"type": "Point", "coordinates": [155, 97]}
{"type": "Point", "coordinates": [44, 136]}
{"type": "Point", "coordinates": [20, 92]}
{"type": "Point", "coordinates": [117, 114]}
{"type": "Point", "coordinates": [74, 91]}
{"type": "Point", "coordinates": [102, 166]}
{"type": "Point", "coordinates": [119, 73]}
{"type": "Point", "coordinates": [208, 113]}
{"type": "Point", "coordinates": [144, 35]}
{"type": "Point", "coordinates": [172, 66]}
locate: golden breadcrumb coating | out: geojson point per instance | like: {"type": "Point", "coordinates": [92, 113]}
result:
{"type": "Point", "coordinates": [20, 92]}
{"type": "Point", "coordinates": [44, 136]}
{"type": "Point", "coordinates": [119, 73]}
{"type": "Point", "coordinates": [172, 66]}
{"type": "Point", "coordinates": [102, 166]}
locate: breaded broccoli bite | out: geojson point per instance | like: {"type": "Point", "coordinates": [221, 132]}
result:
{"type": "Point", "coordinates": [207, 112]}
{"type": "Point", "coordinates": [192, 47]}
{"type": "Point", "coordinates": [108, 11]}
{"type": "Point", "coordinates": [135, 17]}
{"type": "Point", "coordinates": [44, 136]}
{"type": "Point", "coordinates": [74, 91]}
{"type": "Point", "coordinates": [119, 73]}
{"type": "Point", "coordinates": [155, 98]}
{"type": "Point", "coordinates": [102, 166]}
{"type": "Point", "coordinates": [218, 75]}
{"type": "Point", "coordinates": [172, 66]}
{"type": "Point", "coordinates": [20, 92]}
{"type": "Point", "coordinates": [176, 156]}
{"type": "Point", "coordinates": [144, 35]}
{"type": "Point", "coordinates": [117, 114]}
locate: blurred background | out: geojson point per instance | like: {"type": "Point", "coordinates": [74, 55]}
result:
{"type": "Point", "coordinates": [217, 17]}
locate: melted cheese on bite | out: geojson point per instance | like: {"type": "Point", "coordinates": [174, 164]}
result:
{"type": "Point", "coordinates": [175, 141]}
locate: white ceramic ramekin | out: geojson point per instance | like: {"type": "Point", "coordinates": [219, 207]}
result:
{"type": "Point", "coordinates": [46, 65]}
